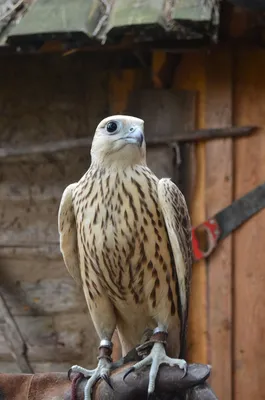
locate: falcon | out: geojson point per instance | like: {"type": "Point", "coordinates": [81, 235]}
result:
{"type": "Point", "coordinates": [125, 237]}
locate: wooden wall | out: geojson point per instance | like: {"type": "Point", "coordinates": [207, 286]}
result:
{"type": "Point", "coordinates": [228, 297]}
{"type": "Point", "coordinates": [228, 300]}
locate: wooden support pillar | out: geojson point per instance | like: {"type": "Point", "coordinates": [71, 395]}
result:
{"type": "Point", "coordinates": [249, 270]}
{"type": "Point", "coordinates": [219, 194]}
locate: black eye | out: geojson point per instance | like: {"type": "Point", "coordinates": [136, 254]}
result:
{"type": "Point", "coordinates": [112, 126]}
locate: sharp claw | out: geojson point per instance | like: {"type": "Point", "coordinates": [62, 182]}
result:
{"type": "Point", "coordinates": [128, 372]}
{"type": "Point", "coordinates": [69, 373]}
{"type": "Point", "coordinates": [107, 380]}
{"type": "Point", "coordinates": [185, 372]}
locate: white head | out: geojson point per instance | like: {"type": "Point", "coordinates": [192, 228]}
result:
{"type": "Point", "coordinates": [119, 141]}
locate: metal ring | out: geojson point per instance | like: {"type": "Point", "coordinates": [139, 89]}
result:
{"type": "Point", "coordinates": [159, 330]}
{"type": "Point", "coordinates": [106, 343]}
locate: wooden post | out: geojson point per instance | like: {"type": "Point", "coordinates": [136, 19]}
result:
{"type": "Point", "coordinates": [249, 270]}
{"type": "Point", "coordinates": [219, 194]}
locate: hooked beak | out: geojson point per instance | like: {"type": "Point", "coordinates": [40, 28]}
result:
{"type": "Point", "coordinates": [135, 137]}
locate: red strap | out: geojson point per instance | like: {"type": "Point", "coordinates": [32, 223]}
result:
{"type": "Point", "coordinates": [212, 229]}
{"type": "Point", "coordinates": [75, 381]}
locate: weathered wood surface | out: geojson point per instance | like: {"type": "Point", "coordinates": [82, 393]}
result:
{"type": "Point", "coordinates": [56, 338]}
{"type": "Point", "coordinates": [44, 296]}
{"type": "Point", "coordinates": [249, 273]}
{"type": "Point", "coordinates": [219, 194]}
{"type": "Point", "coordinates": [155, 107]}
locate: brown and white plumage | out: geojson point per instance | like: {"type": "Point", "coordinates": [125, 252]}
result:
{"type": "Point", "coordinates": [125, 237]}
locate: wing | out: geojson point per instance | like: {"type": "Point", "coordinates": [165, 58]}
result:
{"type": "Point", "coordinates": [68, 234]}
{"type": "Point", "coordinates": [177, 220]}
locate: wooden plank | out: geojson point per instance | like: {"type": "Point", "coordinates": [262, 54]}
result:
{"type": "Point", "coordinates": [190, 78]}
{"type": "Point", "coordinates": [29, 202]}
{"type": "Point", "coordinates": [57, 110]}
{"type": "Point", "coordinates": [42, 253]}
{"type": "Point", "coordinates": [249, 294]}
{"type": "Point", "coordinates": [160, 120]}
{"type": "Point", "coordinates": [164, 66]}
{"type": "Point", "coordinates": [172, 111]}
{"type": "Point", "coordinates": [55, 20]}
{"type": "Point", "coordinates": [130, 15]}
{"type": "Point", "coordinates": [43, 297]}
{"type": "Point", "coordinates": [57, 338]}
{"type": "Point", "coordinates": [219, 194]}
{"type": "Point", "coordinates": [33, 268]}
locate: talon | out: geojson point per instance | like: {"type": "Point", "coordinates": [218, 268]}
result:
{"type": "Point", "coordinates": [128, 372]}
{"type": "Point", "coordinates": [185, 372]}
{"type": "Point", "coordinates": [107, 380]}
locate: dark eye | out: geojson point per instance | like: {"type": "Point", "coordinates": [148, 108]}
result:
{"type": "Point", "coordinates": [112, 126]}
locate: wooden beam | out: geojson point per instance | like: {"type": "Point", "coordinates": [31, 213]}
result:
{"type": "Point", "coordinates": [64, 145]}
{"type": "Point", "coordinates": [219, 194]}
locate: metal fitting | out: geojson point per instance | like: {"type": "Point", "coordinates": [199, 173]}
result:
{"type": "Point", "coordinates": [159, 330]}
{"type": "Point", "coordinates": [106, 343]}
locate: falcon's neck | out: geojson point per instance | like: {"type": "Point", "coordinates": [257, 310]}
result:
{"type": "Point", "coordinates": [127, 157]}
{"type": "Point", "coordinates": [117, 164]}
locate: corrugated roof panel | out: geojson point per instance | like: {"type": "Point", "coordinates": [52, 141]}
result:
{"type": "Point", "coordinates": [55, 19]}
{"type": "Point", "coordinates": [131, 15]}
{"type": "Point", "coordinates": [193, 10]}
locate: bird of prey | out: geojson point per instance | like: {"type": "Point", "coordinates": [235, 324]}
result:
{"type": "Point", "coordinates": [125, 237]}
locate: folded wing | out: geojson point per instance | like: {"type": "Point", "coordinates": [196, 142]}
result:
{"type": "Point", "coordinates": [68, 234]}
{"type": "Point", "coordinates": [178, 225]}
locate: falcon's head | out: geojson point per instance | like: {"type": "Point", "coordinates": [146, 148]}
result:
{"type": "Point", "coordinates": [119, 140]}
